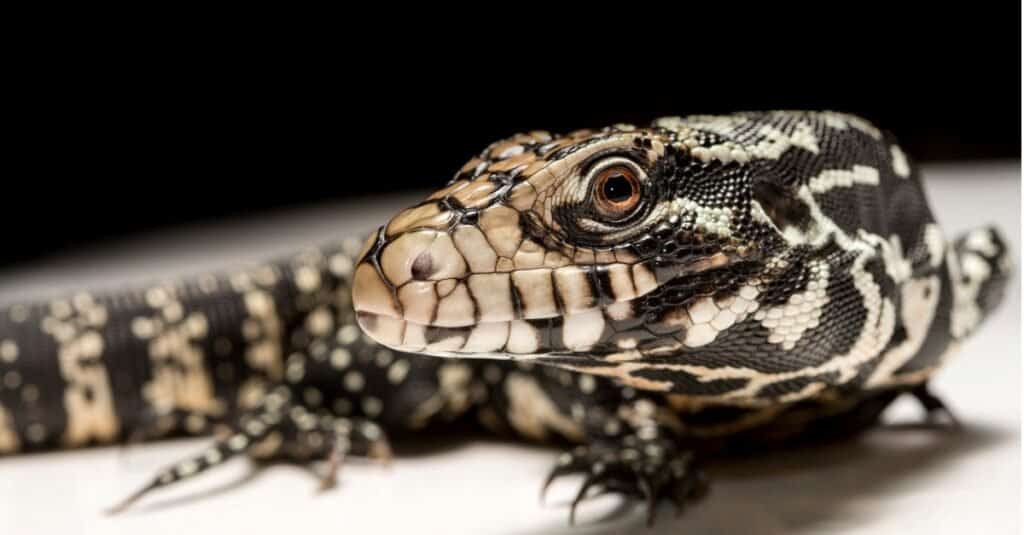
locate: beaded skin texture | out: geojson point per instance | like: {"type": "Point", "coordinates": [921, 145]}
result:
{"type": "Point", "coordinates": [650, 296]}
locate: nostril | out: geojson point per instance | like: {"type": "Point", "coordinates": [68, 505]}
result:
{"type": "Point", "coordinates": [422, 267]}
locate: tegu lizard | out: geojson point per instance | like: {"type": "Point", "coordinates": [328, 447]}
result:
{"type": "Point", "coordinates": [650, 297]}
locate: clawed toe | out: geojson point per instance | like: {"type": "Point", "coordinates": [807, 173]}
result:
{"type": "Point", "coordinates": [651, 474]}
{"type": "Point", "coordinates": [938, 413]}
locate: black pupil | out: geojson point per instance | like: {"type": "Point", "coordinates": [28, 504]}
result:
{"type": "Point", "coordinates": [617, 188]}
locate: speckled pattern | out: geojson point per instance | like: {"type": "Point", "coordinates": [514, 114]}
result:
{"type": "Point", "coordinates": [651, 295]}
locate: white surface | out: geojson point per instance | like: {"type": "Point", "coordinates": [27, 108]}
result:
{"type": "Point", "coordinates": [894, 480]}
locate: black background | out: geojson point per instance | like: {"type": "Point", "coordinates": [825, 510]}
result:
{"type": "Point", "coordinates": [118, 135]}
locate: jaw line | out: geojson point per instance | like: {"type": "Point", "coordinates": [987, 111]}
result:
{"type": "Point", "coordinates": [442, 341]}
{"type": "Point", "coordinates": [517, 339]}
{"type": "Point", "coordinates": [574, 334]}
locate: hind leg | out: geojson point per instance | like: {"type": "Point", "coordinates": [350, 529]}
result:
{"type": "Point", "coordinates": [278, 429]}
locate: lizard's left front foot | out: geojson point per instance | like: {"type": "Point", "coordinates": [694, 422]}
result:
{"type": "Point", "coordinates": [639, 465]}
{"type": "Point", "coordinates": [935, 408]}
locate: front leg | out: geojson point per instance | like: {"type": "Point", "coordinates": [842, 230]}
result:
{"type": "Point", "coordinates": [646, 460]}
{"type": "Point", "coordinates": [627, 442]}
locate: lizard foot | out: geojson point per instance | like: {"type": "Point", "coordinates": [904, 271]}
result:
{"type": "Point", "coordinates": [935, 407]}
{"type": "Point", "coordinates": [651, 469]}
{"type": "Point", "coordinates": [279, 429]}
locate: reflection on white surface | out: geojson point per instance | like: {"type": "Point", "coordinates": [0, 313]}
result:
{"type": "Point", "coordinates": [899, 479]}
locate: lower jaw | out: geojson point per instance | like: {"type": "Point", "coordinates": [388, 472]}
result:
{"type": "Point", "coordinates": [501, 339]}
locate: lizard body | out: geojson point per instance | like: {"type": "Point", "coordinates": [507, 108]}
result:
{"type": "Point", "coordinates": [706, 283]}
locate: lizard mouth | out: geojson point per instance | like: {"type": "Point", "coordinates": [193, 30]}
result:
{"type": "Point", "coordinates": [494, 339]}
{"type": "Point", "coordinates": [518, 338]}
{"type": "Point", "coordinates": [420, 293]}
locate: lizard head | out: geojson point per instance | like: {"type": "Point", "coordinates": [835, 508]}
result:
{"type": "Point", "coordinates": [598, 245]}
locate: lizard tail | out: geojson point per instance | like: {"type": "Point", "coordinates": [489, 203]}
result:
{"type": "Point", "coordinates": [980, 269]}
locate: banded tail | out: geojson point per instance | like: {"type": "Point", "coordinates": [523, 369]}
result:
{"type": "Point", "coordinates": [166, 358]}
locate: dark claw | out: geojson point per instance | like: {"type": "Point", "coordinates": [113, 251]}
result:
{"type": "Point", "coordinates": [556, 472]}
{"type": "Point", "coordinates": [590, 481]}
{"type": "Point", "coordinates": [951, 420]}
{"type": "Point", "coordinates": [933, 406]}
{"type": "Point", "coordinates": [667, 475]}
{"type": "Point", "coordinates": [130, 500]}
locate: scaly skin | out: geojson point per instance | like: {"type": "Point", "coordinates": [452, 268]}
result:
{"type": "Point", "coordinates": [776, 277]}
{"type": "Point", "coordinates": [758, 260]}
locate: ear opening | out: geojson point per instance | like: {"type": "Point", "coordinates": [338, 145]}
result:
{"type": "Point", "coordinates": [782, 206]}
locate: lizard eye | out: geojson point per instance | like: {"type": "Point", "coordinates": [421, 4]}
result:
{"type": "Point", "coordinates": [616, 191]}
